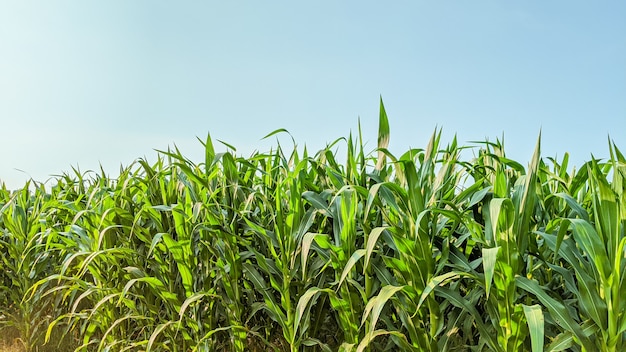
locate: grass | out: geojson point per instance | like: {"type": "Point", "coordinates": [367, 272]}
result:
{"type": "Point", "coordinates": [292, 251]}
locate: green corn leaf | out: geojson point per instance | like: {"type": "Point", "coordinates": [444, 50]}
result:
{"type": "Point", "coordinates": [209, 154]}
{"type": "Point", "coordinates": [354, 258]}
{"type": "Point", "coordinates": [225, 328]}
{"type": "Point", "coordinates": [565, 340]}
{"type": "Point", "coordinates": [527, 203]}
{"type": "Point", "coordinates": [573, 204]}
{"type": "Point", "coordinates": [478, 196]}
{"type": "Point", "coordinates": [587, 237]}
{"type": "Point", "coordinates": [376, 304]}
{"type": "Point", "coordinates": [259, 283]}
{"type": "Point", "coordinates": [489, 265]}
{"type": "Point", "coordinates": [371, 335]}
{"type": "Point", "coordinates": [277, 131]}
{"type": "Point", "coordinates": [181, 253]}
{"type": "Point", "coordinates": [307, 241]}
{"type": "Point", "coordinates": [456, 299]}
{"type": "Point", "coordinates": [115, 323]}
{"type": "Point", "coordinates": [371, 243]}
{"type": "Point", "coordinates": [346, 347]}
{"type": "Point", "coordinates": [318, 202]}
{"type": "Point", "coordinates": [194, 298]}
{"type": "Point", "coordinates": [156, 333]}
{"type": "Point", "coordinates": [303, 304]}
{"type": "Point", "coordinates": [383, 135]}
{"type": "Point", "coordinates": [558, 311]}
{"type": "Point", "coordinates": [435, 282]}
{"type": "Point", "coordinates": [534, 317]}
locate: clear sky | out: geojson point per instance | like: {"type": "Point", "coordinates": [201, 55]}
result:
{"type": "Point", "coordinates": [84, 83]}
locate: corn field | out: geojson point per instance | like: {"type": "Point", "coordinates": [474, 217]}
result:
{"type": "Point", "coordinates": [290, 251]}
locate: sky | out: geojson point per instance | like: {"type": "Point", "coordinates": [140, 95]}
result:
{"type": "Point", "coordinates": [90, 83]}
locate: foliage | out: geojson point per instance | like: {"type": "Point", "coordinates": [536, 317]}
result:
{"type": "Point", "coordinates": [290, 251]}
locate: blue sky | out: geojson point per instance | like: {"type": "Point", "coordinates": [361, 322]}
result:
{"type": "Point", "coordinates": [89, 83]}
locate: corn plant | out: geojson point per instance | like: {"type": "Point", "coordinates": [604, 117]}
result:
{"type": "Point", "coordinates": [24, 233]}
{"type": "Point", "coordinates": [288, 250]}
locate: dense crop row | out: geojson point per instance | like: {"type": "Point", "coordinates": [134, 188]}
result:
{"type": "Point", "coordinates": [290, 251]}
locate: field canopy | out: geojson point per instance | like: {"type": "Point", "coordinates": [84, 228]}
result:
{"type": "Point", "coordinates": [291, 251]}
